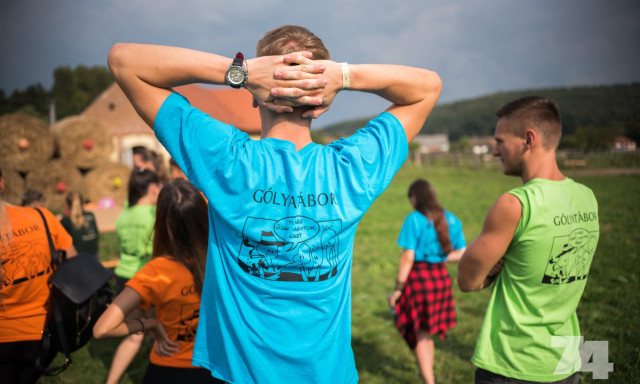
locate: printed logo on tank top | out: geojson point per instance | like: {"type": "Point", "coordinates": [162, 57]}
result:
{"type": "Point", "coordinates": [570, 257]}
{"type": "Point", "coordinates": [294, 248]}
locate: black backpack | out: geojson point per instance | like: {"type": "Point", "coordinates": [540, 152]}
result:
{"type": "Point", "coordinates": [80, 293]}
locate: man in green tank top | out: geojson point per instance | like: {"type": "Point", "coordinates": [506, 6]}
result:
{"type": "Point", "coordinates": [537, 244]}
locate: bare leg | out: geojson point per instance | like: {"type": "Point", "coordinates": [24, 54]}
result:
{"type": "Point", "coordinates": [424, 353]}
{"type": "Point", "coordinates": [124, 355]}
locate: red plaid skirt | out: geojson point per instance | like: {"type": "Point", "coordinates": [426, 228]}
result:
{"type": "Point", "coordinates": [426, 302]}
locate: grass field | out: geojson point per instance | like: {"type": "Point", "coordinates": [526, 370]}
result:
{"type": "Point", "coordinates": [609, 310]}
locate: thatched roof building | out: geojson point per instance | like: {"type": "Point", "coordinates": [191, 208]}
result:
{"type": "Point", "coordinates": [115, 112]}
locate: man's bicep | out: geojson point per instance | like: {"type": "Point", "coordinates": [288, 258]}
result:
{"type": "Point", "coordinates": [147, 100]}
{"type": "Point", "coordinates": [412, 117]}
{"type": "Point", "coordinates": [492, 243]}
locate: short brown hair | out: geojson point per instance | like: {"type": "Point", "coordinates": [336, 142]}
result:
{"type": "Point", "coordinates": [291, 38]}
{"type": "Point", "coordinates": [536, 113]}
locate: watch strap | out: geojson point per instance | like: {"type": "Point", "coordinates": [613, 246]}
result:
{"type": "Point", "coordinates": [238, 60]}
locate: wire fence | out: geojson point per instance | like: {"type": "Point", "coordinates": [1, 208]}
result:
{"type": "Point", "coordinates": [566, 159]}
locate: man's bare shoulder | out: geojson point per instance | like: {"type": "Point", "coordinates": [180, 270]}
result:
{"type": "Point", "coordinates": [505, 214]}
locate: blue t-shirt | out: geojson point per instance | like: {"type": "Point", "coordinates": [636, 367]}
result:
{"type": "Point", "coordinates": [418, 234]}
{"type": "Point", "coordinates": [276, 303]}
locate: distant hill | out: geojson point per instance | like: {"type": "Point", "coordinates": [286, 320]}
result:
{"type": "Point", "coordinates": [602, 107]}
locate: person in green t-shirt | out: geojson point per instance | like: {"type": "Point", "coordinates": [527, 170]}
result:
{"type": "Point", "coordinates": [134, 229]}
{"type": "Point", "coordinates": [537, 244]}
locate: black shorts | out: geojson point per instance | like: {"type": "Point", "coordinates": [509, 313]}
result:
{"type": "Point", "coordinates": [157, 374]}
{"type": "Point", "coordinates": [485, 377]}
{"type": "Point", "coordinates": [18, 361]}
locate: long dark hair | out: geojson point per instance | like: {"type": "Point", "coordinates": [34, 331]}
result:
{"type": "Point", "coordinates": [426, 202]}
{"type": "Point", "coordinates": [182, 227]}
{"type": "Point", "coordinates": [139, 182]}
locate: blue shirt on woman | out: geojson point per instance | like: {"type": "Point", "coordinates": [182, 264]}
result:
{"type": "Point", "coordinates": [418, 234]}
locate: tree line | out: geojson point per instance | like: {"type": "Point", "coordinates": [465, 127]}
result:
{"type": "Point", "coordinates": [72, 91]}
{"type": "Point", "coordinates": [592, 117]}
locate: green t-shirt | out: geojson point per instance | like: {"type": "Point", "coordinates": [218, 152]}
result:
{"type": "Point", "coordinates": [134, 229]}
{"type": "Point", "coordinates": [544, 274]}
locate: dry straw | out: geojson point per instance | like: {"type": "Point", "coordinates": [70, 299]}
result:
{"type": "Point", "coordinates": [82, 141]}
{"type": "Point", "coordinates": [109, 180]}
{"type": "Point", "coordinates": [56, 179]}
{"type": "Point", "coordinates": [14, 186]}
{"type": "Point", "coordinates": [25, 142]}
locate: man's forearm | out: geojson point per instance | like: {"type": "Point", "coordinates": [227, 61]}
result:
{"type": "Point", "coordinates": [413, 92]}
{"type": "Point", "coordinates": [166, 67]}
{"type": "Point", "coordinates": [472, 270]}
{"type": "Point", "coordinates": [473, 274]}
{"type": "Point", "coordinates": [398, 84]}
{"type": "Point", "coordinates": [146, 73]}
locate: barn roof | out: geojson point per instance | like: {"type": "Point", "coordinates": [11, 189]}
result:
{"type": "Point", "coordinates": [231, 106]}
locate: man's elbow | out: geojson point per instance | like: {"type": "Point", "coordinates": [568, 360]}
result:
{"type": "Point", "coordinates": [430, 91]}
{"type": "Point", "coordinates": [464, 285]}
{"type": "Point", "coordinates": [117, 57]}
{"type": "Point", "coordinates": [437, 83]}
{"type": "Point", "coordinates": [434, 84]}
{"type": "Point", "coordinates": [467, 280]}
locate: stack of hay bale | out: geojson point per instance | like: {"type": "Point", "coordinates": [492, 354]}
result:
{"type": "Point", "coordinates": [73, 154]}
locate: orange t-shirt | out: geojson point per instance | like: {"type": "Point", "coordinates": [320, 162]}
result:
{"type": "Point", "coordinates": [26, 268]}
{"type": "Point", "coordinates": [169, 286]}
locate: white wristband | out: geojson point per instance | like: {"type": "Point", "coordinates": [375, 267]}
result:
{"type": "Point", "coordinates": [346, 80]}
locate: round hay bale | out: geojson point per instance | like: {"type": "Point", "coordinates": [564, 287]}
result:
{"type": "Point", "coordinates": [110, 180]}
{"type": "Point", "coordinates": [56, 179]}
{"type": "Point", "coordinates": [83, 141]}
{"type": "Point", "coordinates": [25, 142]}
{"type": "Point", "coordinates": [14, 186]}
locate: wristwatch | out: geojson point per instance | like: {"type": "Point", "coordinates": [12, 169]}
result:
{"type": "Point", "coordinates": [237, 74]}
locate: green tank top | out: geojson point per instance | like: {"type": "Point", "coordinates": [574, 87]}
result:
{"type": "Point", "coordinates": [134, 229]}
{"type": "Point", "coordinates": [544, 274]}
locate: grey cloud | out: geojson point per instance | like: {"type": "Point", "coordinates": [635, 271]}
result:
{"type": "Point", "coordinates": [476, 47]}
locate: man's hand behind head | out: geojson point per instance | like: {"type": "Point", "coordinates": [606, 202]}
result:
{"type": "Point", "coordinates": [274, 78]}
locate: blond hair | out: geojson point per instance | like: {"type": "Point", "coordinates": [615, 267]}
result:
{"type": "Point", "coordinates": [76, 213]}
{"type": "Point", "coordinates": [6, 234]}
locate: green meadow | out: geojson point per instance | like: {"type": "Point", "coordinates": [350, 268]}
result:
{"type": "Point", "coordinates": [609, 310]}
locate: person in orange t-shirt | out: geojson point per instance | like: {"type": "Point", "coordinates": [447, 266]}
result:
{"type": "Point", "coordinates": [24, 288]}
{"type": "Point", "coordinates": [172, 283]}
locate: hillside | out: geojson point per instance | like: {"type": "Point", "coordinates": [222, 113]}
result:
{"type": "Point", "coordinates": [604, 108]}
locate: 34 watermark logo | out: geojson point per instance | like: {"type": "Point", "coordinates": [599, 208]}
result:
{"type": "Point", "coordinates": [583, 356]}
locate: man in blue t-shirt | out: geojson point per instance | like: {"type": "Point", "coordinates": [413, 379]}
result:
{"type": "Point", "coordinates": [283, 211]}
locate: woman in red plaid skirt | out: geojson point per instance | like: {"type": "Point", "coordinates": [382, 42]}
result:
{"type": "Point", "coordinates": [423, 296]}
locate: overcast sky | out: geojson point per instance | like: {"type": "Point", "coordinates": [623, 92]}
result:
{"type": "Point", "coordinates": [477, 47]}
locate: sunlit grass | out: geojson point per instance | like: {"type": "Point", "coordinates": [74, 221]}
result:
{"type": "Point", "coordinates": [609, 309]}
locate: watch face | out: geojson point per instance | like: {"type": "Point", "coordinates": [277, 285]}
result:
{"type": "Point", "coordinates": [236, 75]}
